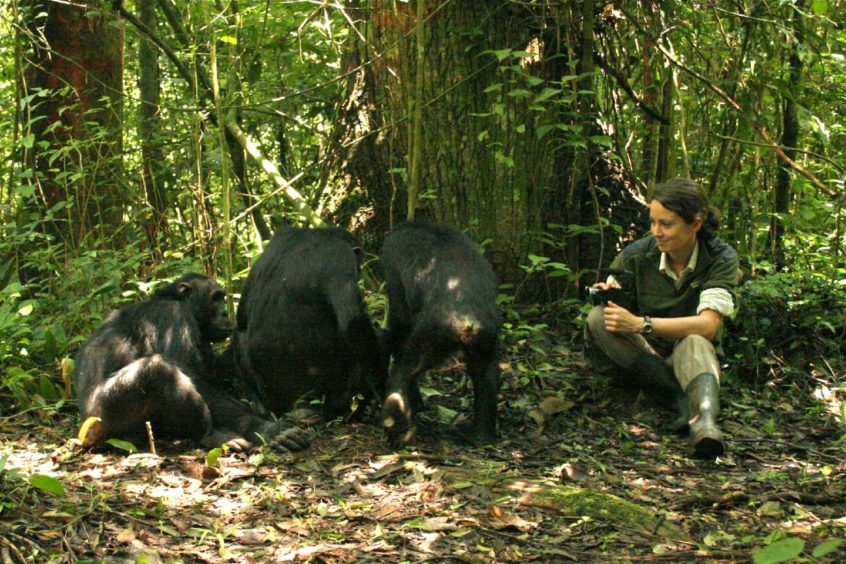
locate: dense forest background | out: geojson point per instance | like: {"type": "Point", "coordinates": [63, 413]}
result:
{"type": "Point", "coordinates": [143, 139]}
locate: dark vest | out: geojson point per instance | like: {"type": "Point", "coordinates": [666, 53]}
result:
{"type": "Point", "coordinates": [657, 296]}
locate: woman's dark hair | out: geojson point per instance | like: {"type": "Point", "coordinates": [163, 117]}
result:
{"type": "Point", "coordinates": [688, 199]}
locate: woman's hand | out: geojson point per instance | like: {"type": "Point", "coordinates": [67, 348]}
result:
{"type": "Point", "coordinates": [620, 320]}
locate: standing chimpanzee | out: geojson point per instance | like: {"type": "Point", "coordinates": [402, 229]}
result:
{"type": "Point", "coordinates": [149, 361]}
{"type": "Point", "coordinates": [442, 300]}
{"type": "Point", "coordinates": [302, 325]}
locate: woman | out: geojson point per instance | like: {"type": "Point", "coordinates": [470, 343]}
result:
{"type": "Point", "coordinates": [684, 283]}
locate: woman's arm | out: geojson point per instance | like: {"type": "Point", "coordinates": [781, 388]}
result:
{"type": "Point", "coordinates": [706, 323]}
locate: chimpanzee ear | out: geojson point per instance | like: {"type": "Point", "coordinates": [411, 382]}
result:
{"type": "Point", "coordinates": [184, 289]}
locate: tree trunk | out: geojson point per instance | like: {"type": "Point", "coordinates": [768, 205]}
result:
{"type": "Point", "coordinates": [729, 119]}
{"type": "Point", "coordinates": [789, 139]}
{"type": "Point", "coordinates": [149, 128]}
{"type": "Point", "coordinates": [74, 87]}
{"type": "Point", "coordinates": [508, 124]}
{"type": "Point", "coordinates": [651, 91]}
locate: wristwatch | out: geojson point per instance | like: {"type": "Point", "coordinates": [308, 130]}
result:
{"type": "Point", "coordinates": [647, 325]}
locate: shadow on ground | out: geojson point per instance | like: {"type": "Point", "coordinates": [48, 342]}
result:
{"type": "Point", "coordinates": [581, 473]}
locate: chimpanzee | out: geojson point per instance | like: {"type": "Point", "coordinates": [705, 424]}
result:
{"type": "Point", "coordinates": [302, 326]}
{"type": "Point", "coordinates": [150, 361]}
{"type": "Point", "coordinates": [442, 300]}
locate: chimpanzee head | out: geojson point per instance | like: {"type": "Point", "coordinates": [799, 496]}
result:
{"type": "Point", "coordinates": [207, 301]}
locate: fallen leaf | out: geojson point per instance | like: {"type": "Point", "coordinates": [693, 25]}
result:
{"type": "Point", "coordinates": [500, 519]}
{"type": "Point", "coordinates": [537, 416]}
{"type": "Point", "coordinates": [435, 524]}
{"type": "Point", "coordinates": [126, 535]}
{"type": "Point", "coordinates": [553, 405]}
{"type": "Point", "coordinates": [386, 510]}
{"type": "Point", "coordinates": [58, 515]}
{"type": "Point", "coordinates": [252, 536]}
{"type": "Point", "coordinates": [770, 508]}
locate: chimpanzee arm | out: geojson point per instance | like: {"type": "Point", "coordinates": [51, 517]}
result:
{"type": "Point", "coordinates": [357, 333]}
{"type": "Point", "coordinates": [229, 414]}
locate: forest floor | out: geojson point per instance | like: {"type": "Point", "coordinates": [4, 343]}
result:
{"type": "Point", "coordinates": [581, 473]}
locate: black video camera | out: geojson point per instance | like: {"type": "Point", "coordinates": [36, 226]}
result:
{"type": "Point", "coordinates": [625, 296]}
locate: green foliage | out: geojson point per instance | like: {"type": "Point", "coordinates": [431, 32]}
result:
{"type": "Point", "coordinates": [788, 549]}
{"type": "Point", "coordinates": [126, 446]}
{"type": "Point", "coordinates": [47, 484]}
{"type": "Point", "coordinates": [779, 551]}
{"type": "Point", "coordinates": [798, 316]}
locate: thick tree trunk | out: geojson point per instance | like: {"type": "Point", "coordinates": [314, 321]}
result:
{"type": "Point", "coordinates": [506, 131]}
{"type": "Point", "coordinates": [74, 86]}
{"type": "Point", "coordinates": [483, 167]}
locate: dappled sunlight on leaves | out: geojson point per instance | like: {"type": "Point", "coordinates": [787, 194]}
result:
{"type": "Point", "coordinates": [592, 479]}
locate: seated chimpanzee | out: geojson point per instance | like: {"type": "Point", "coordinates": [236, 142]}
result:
{"type": "Point", "coordinates": [442, 300]}
{"type": "Point", "coordinates": [150, 362]}
{"type": "Point", "coordinates": [302, 325]}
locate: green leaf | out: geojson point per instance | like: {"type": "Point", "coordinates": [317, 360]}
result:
{"type": "Point", "coordinates": [519, 93]}
{"type": "Point", "coordinates": [47, 484]}
{"type": "Point", "coordinates": [603, 140]}
{"type": "Point", "coordinates": [28, 141]}
{"type": "Point", "coordinates": [501, 54]}
{"type": "Point", "coordinates": [546, 93]}
{"type": "Point", "coordinates": [504, 159]}
{"type": "Point", "coordinates": [229, 39]}
{"type": "Point", "coordinates": [123, 445]}
{"type": "Point", "coordinates": [820, 7]}
{"type": "Point", "coordinates": [537, 259]}
{"type": "Point", "coordinates": [493, 88]}
{"type": "Point", "coordinates": [25, 310]}
{"type": "Point", "coordinates": [429, 392]}
{"type": "Point", "coordinates": [445, 414]}
{"type": "Point", "coordinates": [213, 457]}
{"type": "Point", "coordinates": [779, 551]}
{"type": "Point", "coordinates": [827, 547]}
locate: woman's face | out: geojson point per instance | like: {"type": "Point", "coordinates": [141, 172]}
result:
{"type": "Point", "coordinates": [673, 235]}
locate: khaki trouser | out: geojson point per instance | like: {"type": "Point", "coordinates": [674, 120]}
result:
{"type": "Point", "coordinates": [691, 356]}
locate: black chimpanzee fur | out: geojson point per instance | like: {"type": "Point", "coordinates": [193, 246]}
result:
{"type": "Point", "coordinates": [150, 361]}
{"type": "Point", "coordinates": [442, 300]}
{"type": "Point", "coordinates": [302, 325]}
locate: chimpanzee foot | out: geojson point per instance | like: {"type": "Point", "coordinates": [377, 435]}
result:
{"type": "Point", "coordinates": [277, 435]}
{"type": "Point", "coordinates": [473, 434]}
{"type": "Point", "coordinates": [230, 439]}
{"type": "Point", "coordinates": [282, 437]}
{"type": "Point", "coordinates": [397, 420]}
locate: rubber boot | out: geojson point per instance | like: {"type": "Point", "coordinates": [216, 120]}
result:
{"type": "Point", "coordinates": [650, 372]}
{"type": "Point", "coordinates": [703, 394]}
